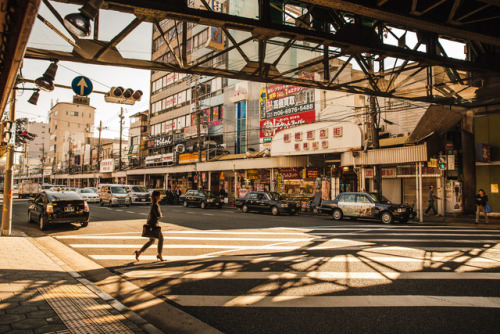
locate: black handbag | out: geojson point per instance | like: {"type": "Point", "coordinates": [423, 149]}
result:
{"type": "Point", "coordinates": [151, 232]}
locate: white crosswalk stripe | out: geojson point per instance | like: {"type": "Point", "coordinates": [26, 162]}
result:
{"type": "Point", "coordinates": [325, 260]}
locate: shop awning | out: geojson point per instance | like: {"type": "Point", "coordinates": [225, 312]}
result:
{"type": "Point", "coordinates": [437, 119]}
{"type": "Point", "coordinates": [386, 156]}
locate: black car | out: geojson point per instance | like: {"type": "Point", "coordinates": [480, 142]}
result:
{"type": "Point", "coordinates": [51, 207]}
{"type": "Point", "coordinates": [366, 205]}
{"type": "Point", "coordinates": [265, 201]}
{"type": "Point", "coordinates": [201, 198]}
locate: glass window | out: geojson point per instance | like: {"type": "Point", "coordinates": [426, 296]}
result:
{"type": "Point", "coordinates": [241, 127]}
{"type": "Point", "coordinates": [118, 190]}
{"type": "Point", "coordinates": [348, 198]}
{"type": "Point", "coordinates": [251, 196]}
{"type": "Point", "coordinates": [362, 199]}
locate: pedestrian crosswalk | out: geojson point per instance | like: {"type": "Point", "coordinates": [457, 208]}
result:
{"type": "Point", "coordinates": [351, 265]}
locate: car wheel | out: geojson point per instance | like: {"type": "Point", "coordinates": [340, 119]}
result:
{"type": "Point", "coordinates": [386, 217]}
{"type": "Point", "coordinates": [244, 208]}
{"type": "Point", "coordinates": [85, 224]}
{"type": "Point", "coordinates": [275, 211]}
{"type": "Point", "coordinates": [43, 223]}
{"type": "Point", "coordinates": [203, 205]}
{"type": "Point", "coordinates": [337, 214]}
{"type": "Point", "coordinates": [30, 220]}
{"type": "Point", "coordinates": [185, 204]}
{"type": "Point", "coordinates": [101, 203]}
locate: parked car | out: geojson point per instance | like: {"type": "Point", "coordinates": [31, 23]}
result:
{"type": "Point", "coordinates": [50, 207]}
{"type": "Point", "coordinates": [138, 194]}
{"type": "Point", "coordinates": [265, 201]}
{"type": "Point", "coordinates": [89, 195]}
{"type": "Point", "coordinates": [114, 195]}
{"type": "Point", "coordinates": [202, 198]}
{"type": "Point", "coordinates": [71, 189]}
{"type": "Point", "coordinates": [366, 205]}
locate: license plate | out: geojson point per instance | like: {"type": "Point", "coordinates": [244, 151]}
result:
{"type": "Point", "coordinates": [143, 199]}
{"type": "Point", "coordinates": [69, 209]}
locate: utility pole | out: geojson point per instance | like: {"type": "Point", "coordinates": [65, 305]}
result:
{"type": "Point", "coordinates": [121, 130]}
{"type": "Point", "coordinates": [99, 148]}
{"type": "Point", "coordinates": [7, 190]}
{"type": "Point", "coordinates": [198, 125]}
{"type": "Point", "coordinates": [374, 126]}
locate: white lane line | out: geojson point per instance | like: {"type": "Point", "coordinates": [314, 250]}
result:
{"type": "Point", "coordinates": [118, 210]}
{"type": "Point", "coordinates": [392, 227]}
{"type": "Point", "coordinates": [129, 211]}
{"type": "Point", "coordinates": [335, 301]}
{"type": "Point", "coordinates": [323, 275]}
{"type": "Point", "coordinates": [138, 237]}
{"type": "Point", "coordinates": [144, 214]}
{"type": "Point", "coordinates": [208, 214]}
{"type": "Point", "coordinates": [298, 259]}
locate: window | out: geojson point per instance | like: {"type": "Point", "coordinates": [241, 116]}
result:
{"type": "Point", "coordinates": [362, 199]}
{"type": "Point", "coordinates": [74, 113]}
{"type": "Point", "coordinates": [241, 127]}
{"type": "Point", "coordinates": [348, 198]}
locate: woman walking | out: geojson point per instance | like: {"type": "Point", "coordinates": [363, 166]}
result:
{"type": "Point", "coordinates": [481, 205]}
{"type": "Point", "coordinates": [153, 219]}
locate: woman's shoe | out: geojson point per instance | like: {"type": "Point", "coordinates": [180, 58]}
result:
{"type": "Point", "coordinates": [137, 253]}
{"type": "Point", "coordinates": [159, 257]}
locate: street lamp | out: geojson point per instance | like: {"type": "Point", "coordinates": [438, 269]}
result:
{"type": "Point", "coordinates": [34, 98]}
{"type": "Point", "coordinates": [79, 23]}
{"type": "Point", "coordinates": [46, 81]}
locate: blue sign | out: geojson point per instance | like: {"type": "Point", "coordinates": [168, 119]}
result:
{"type": "Point", "coordinates": [82, 86]}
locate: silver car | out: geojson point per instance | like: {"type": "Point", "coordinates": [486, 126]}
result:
{"type": "Point", "coordinates": [89, 195]}
{"type": "Point", "coordinates": [114, 195]}
{"type": "Point", "coordinates": [138, 194]}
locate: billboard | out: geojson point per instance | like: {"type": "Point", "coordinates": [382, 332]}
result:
{"type": "Point", "coordinates": [283, 106]}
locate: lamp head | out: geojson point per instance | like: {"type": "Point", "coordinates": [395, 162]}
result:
{"type": "Point", "coordinates": [34, 98]}
{"type": "Point", "coordinates": [46, 81]}
{"type": "Point", "coordinates": [78, 24]}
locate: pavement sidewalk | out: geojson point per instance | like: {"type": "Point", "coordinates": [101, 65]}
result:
{"type": "Point", "coordinates": [40, 294]}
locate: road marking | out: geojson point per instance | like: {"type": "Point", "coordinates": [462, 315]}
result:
{"type": "Point", "coordinates": [323, 275]}
{"type": "Point", "coordinates": [129, 211]}
{"type": "Point", "coordinates": [335, 301]}
{"type": "Point", "coordinates": [142, 213]}
{"type": "Point", "coordinates": [118, 210]}
{"type": "Point", "coordinates": [188, 238]}
{"type": "Point", "coordinates": [296, 259]}
{"type": "Point", "coordinates": [208, 214]}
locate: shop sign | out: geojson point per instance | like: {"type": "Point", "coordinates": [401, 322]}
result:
{"type": "Point", "coordinates": [267, 139]}
{"type": "Point", "coordinates": [253, 174]}
{"type": "Point", "coordinates": [107, 165]}
{"type": "Point", "coordinates": [204, 177]}
{"type": "Point", "coordinates": [192, 131]}
{"type": "Point", "coordinates": [405, 171]}
{"type": "Point", "coordinates": [130, 149]}
{"type": "Point", "coordinates": [150, 143]}
{"type": "Point", "coordinates": [321, 138]}
{"type": "Point", "coordinates": [432, 162]}
{"type": "Point", "coordinates": [451, 162]}
{"type": "Point", "coordinates": [494, 188]}
{"type": "Point", "coordinates": [280, 183]}
{"type": "Point", "coordinates": [269, 127]}
{"type": "Point", "coordinates": [388, 172]}
{"type": "Point", "coordinates": [289, 173]}
{"type": "Point", "coordinates": [163, 141]}
{"type": "Point", "coordinates": [188, 158]}
{"type": "Point", "coordinates": [178, 138]}
{"type": "Point", "coordinates": [167, 157]}
{"type": "Point", "coordinates": [312, 174]}
{"type": "Point", "coordinates": [47, 171]}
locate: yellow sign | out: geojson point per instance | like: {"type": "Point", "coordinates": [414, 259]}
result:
{"type": "Point", "coordinates": [494, 188]}
{"type": "Point", "coordinates": [253, 174]}
{"type": "Point", "coordinates": [188, 158]}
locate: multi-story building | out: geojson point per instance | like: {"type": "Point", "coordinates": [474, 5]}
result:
{"type": "Point", "coordinates": [137, 136]}
{"type": "Point", "coordinates": [70, 126]}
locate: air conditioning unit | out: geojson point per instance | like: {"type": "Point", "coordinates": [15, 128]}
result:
{"type": "Point", "coordinates": [180, 148]}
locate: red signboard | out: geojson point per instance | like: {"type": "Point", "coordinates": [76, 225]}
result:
{"type": "Point", "coordinates": [269, 127]}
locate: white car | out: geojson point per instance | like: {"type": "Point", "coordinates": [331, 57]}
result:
{"type": "Point", "coordinates": [88, 195]}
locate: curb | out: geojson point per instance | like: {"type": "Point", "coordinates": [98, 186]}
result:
{"type": "Point", "coordinates": [150, 313]}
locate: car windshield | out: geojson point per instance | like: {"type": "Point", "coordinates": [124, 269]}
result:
{"type": "Point", "coordinates": [118, 190]}
{"type": "Point", "coordinates": [138, 189]}
{"type": "Point", "coordinates": [274, 196]}
{"type": "Point", "coordinates": [207, 193]}
{"type": "Point", "coordinates": [86, 191]}
{"type": "Point", "coordinates": [380, 198]}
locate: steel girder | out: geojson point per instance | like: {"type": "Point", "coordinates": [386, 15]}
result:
{"type": "Point", "coordinates": [325, 45]}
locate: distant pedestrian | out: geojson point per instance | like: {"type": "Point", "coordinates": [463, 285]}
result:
{"type": "Point", "coordinates": [177, 193]}
{"type": "Point", "coordinates": [222, 192]}
{"type": "Point", "coordinates": [153, 220]}
{"type": "Point", "coordinates": [432, 197]}
{"type": "Point", "coordinates": [482, 205]}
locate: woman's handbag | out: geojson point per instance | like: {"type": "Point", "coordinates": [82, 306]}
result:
{"type": "Point", "coordinates": [487, 208]}
{"type": "Point", "coordinates": [151, 232]}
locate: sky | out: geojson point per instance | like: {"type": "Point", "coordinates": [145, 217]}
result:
{"type": "Point", "coordinates": [137, 45]}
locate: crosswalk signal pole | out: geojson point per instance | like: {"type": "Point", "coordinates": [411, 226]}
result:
{"type": "Point", "coordinates": [7, 190]}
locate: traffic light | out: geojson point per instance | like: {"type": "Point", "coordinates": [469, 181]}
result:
{"type": "Point", "coordinates": [442, 162]}
{"type": "Point", "coordinates": [22, 135]}
{"type": "Point", "coordinates": [8, 133]}
{"type": "Point", "coordinates": [124, 96]}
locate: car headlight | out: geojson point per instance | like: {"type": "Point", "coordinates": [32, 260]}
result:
{"type": "Point", "coordinates": [401, 210]}
{"type": "Point", "coordinates": [210, 200]}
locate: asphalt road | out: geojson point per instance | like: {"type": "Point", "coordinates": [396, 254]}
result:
{"type": "Point", "coordinates": [257, 273]}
